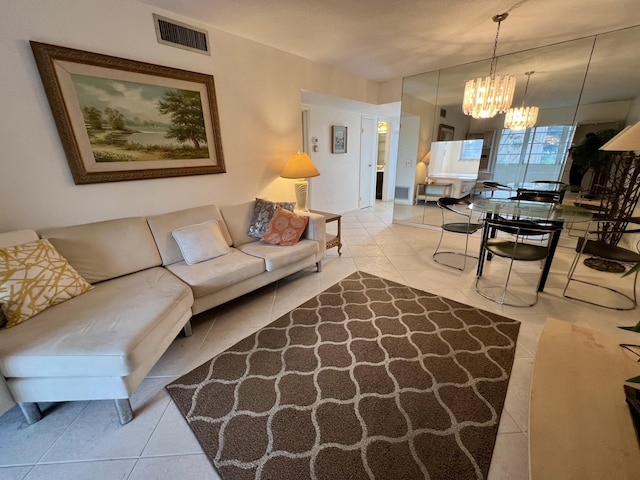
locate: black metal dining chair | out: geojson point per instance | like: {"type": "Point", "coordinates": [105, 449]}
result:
{"type": "Point", "coordinates": [546, 187]}
{"type": "Point", "coordinates": [538, 196]}
{"type": "Point", "coordinates": [466, 226]}
{"type": "Point", "coordinates": [514, 247]}
{"type": "Point", "coordinates": [492, 187]}
{"type": "Point", "coordinates": [604, 258]}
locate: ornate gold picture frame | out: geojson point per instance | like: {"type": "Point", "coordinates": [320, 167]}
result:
{"type": "Point", "coordinates": [120, 119]}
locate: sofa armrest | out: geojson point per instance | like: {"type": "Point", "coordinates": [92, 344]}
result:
{"type": "Point", "coordinates": [316, 230]}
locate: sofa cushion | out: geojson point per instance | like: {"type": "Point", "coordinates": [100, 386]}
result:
{"type": "Point", "coordinates": [104, 250]}
{"type": "Point", "coordinates": [200, 242]}
{"type": "Point", "coordinates": [263, 211]}
{"type": "Point", "coordinates": [16, 237]}
{"type": "Point", "coordinates": [213, 275]}
{"type": "Point", "coordinates": [163, 225]}
{"type": "Point", "coordinates": [277, 256]}
{"type": "Point", "coordinates": [33, 277]}
{"type": "Point", "coordinates": [237, 217]}
{"type": "Point", "coordinates": [285, 228]}
{"type": "Point", "coordinates": [108, 331]}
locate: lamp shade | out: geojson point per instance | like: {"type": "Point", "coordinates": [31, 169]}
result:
{"type": "Point", "coordinates": [627, 140]}
{"type": "Point", "coordinates": [299, 165]}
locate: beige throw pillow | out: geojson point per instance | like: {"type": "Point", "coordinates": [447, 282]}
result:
{"type": "Point", "coordinates": [33, 277]}
{"type": "Point", "coordinates": [200, 242]}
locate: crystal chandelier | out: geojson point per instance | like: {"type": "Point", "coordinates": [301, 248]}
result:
{"type": "Point", "coordinates": [486, 97]}
{"type": "Point", "coordinates": [523, 117]}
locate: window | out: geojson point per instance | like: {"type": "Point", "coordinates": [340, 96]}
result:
{"type": "Point", "coordinates": [537, 145]}
{"type": "Point", "coordinates": [537, 153]}
{"type": "Point", "coordinates": [471, 150]}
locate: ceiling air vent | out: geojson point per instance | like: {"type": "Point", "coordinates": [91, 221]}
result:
{"type": "Point", "coordinates": [176, 34]}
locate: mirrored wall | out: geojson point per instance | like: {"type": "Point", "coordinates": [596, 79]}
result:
{"type": "Point", "coordinates": [580, 86]}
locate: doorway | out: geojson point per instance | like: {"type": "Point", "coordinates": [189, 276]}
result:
{"type": "Point", "coordinates": [368, 153]}
{"type": "Point", "coordinates": [382, 159]}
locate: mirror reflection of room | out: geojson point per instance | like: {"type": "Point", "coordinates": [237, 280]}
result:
{"type": "Point", "coordinates": [579, 86]}
{"type": "Point", "coordinates": [456, 162]}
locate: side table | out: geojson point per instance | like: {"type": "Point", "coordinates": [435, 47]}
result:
{"type": "Point", "coordinates": [332, 240]}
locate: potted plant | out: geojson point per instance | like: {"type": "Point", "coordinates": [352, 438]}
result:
{"type": "Point", "coordinates": [587, 155]}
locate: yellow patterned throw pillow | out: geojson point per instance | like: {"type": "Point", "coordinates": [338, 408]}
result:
{"type": "Point", "coordinates": [34, 276]}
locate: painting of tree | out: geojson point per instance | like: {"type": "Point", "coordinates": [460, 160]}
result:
{"type": "Point", "coordinates": [129, 121]}
{"type": "Point", "coordinates": [121, 119]}
{"type": "Point", "coordinates": [185, 109]}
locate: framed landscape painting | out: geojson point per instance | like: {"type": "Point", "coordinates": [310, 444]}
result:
{"type": "Point", "coordinates": [120, 119]}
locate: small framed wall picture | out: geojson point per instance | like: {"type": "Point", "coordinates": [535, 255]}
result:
{"type": "Point", "coordinates": [338, 139]}
{"type": "Point", "coordinates": [445, 133]}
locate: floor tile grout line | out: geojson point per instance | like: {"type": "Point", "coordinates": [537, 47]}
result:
{"type": "Point", "coordinates": [88, 402]}
{"type": "Point", "coordinates": [155, 428]}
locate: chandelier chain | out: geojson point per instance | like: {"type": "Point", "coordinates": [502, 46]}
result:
{"type": "Point", "coordinates": [526, 87]}
{"type": "Point", "coordinates": [497, 18]}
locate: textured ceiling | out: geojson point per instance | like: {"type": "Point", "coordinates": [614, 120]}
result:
{"type": "Point", "coordinates": [387, 39]}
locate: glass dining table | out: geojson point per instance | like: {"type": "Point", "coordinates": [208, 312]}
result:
{"type": "Point", "coordinates": [529, 210]}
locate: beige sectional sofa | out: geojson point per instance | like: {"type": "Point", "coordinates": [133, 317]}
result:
{"type": "Point", "coordinates": [102, 344]}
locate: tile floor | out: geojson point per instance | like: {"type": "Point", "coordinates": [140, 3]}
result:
{"type": "Point", "coordinates": [80, 440]}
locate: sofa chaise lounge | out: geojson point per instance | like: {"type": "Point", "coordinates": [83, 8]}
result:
{"type": "Point", "coordinates": [102, 343]}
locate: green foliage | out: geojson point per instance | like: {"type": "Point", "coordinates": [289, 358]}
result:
{"type": "Point", "coordinates": [587, 155]}
{"type": "Point", "coordinates": [93, 117]}
{"type": "Point", "coordinates": [115, 118]}
{"type": "Point", "coordinates": [101, 156]}
{"type": "Point", "coordinates": [184, 107]}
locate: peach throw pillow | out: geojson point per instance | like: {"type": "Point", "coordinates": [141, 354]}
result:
{"type": "Point", "coordinates": [285, 227]}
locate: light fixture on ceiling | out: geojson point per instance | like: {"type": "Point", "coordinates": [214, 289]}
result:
{"type": "Point", "coordinates": [300, 167]}
{"type": "Point", "coordinates": [523, 117]}
{"type": "Point", "coordinates": [486, 97]}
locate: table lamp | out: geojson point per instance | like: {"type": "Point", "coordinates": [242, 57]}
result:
{"type": "Point", "coordinates": [627, 140]}
{"type": "Point", "coordinates": [300, 167]}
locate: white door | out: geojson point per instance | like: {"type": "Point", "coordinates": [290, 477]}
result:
{"type": "Point", "coordinates": [368, 152]}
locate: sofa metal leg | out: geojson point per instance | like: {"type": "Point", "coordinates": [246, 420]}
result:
{"type": "Point", "coordinates": [31, 412]}
{"type": "Point", "coordinates": [125, 412]}
{"type": "Point", "coordinates": [187, 329]}
{"type": "Point", "coordinates": [319, 265]}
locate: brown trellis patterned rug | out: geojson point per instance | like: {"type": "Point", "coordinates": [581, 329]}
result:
{"type": "Point", "coordinates": [369, 380]}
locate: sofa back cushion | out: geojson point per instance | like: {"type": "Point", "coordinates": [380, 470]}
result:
{"type": "Point", "coordinates": [238, 217]}
{"type": "Point", "coordinates": [17, 237]}
{"type": "Point", "coordinates": [162, 227]}
{"type": "Point", "coordinates": [104, 250]}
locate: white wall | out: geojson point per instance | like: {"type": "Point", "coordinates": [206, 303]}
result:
{"type": "Point", "coordinates": [336, 189]}
{"type": "Point", "coordinates": [258, 90]}
{"type": "Point", "coordinates": [407, 155]}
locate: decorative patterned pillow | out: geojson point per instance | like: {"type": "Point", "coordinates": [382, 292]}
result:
{"type": "Point", "coordinates": [262, 213]}
{"type": "Point", "coordinates": [200, 242]}
{"type": "Point", "coordinates": [33, 277]}
{"type": "Point", "coordinates": [285, 228]}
